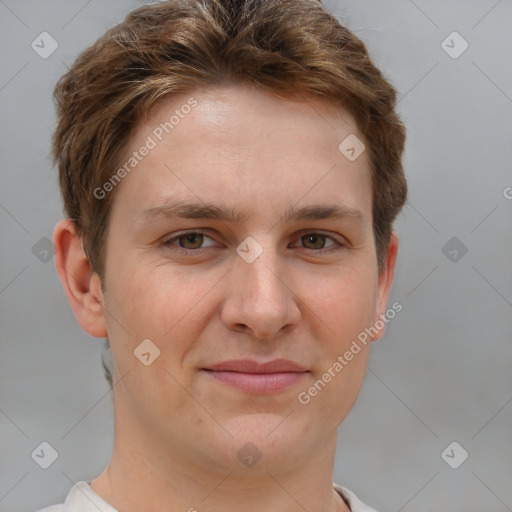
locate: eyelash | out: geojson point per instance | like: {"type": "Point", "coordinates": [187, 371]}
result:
{"type": "Point", "coordinates": [168, 243]}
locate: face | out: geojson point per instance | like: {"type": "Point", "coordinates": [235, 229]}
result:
{"type": "Point", "coordinates": [241, 246]}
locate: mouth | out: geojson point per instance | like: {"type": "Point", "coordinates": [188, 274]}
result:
{"type": "Point", "coordinates": [258, 378]}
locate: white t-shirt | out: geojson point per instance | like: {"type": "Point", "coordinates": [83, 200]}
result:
{"type": "Point", "coordinates": [82, 498]}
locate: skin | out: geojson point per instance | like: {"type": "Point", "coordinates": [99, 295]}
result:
{"type": "Point", "coordinates": [177, 429]}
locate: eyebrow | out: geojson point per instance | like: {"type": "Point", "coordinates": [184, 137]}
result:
{"type": "Point", "coordinates": [189, 210]}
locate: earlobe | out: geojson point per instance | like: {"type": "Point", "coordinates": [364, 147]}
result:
{"type": "Point", "coordinates": [386, 275]}
{"type": "Point", "coordinates": [81, 284]}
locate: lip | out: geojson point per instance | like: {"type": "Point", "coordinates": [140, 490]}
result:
{"type": "Point", "coordinates": [250, 366]}
{"type": "Point", "coordinates": [255, 377]}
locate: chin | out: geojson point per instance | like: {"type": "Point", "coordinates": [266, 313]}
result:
{"type": "Point", "coordinates": [265, 442]}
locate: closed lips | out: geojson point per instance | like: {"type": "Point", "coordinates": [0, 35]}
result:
{"type": "Point", "coordinates": [258, 378]}
{"type": "Point", "coordinates": [250, 366]}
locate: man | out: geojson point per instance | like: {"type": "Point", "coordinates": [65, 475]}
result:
{"type": "Point", "coordinates": [230, 172]}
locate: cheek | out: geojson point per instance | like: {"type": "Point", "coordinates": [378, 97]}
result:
{"type": "Point", "coordinates": [163, 305]}
{"type": "Point", "coordinates": [345, 304]}
{"type": "Point", "coordinates": [155, 298]}
{"type": "Point", "coordinates": [166, 310]}
{"type": "Point", "coordinates": [346, 310]}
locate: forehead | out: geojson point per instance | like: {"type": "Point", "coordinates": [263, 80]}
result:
{"type": "Point", "coordinates": [237, 143]}
{"type": "Point", "coordinates": [228, 110]}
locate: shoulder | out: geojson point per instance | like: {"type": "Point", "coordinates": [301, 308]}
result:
{"type": "Point", "coordinates": [355, 504]}
{"type": "Point", "coordinates": [83, 499]}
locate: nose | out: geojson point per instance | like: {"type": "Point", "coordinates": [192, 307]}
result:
{"type": "Point", "coordinates": [260, 299]}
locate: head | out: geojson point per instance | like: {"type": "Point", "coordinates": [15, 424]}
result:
{"type": "Point", "coordinates": [195, 133]}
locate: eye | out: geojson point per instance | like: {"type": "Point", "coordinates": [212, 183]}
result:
{"type": "Point", "coordinates": [194, 241]}
{"type": "Point", "coordinates": [189, 241]}
{"type": "Point", "coordinates": [319, 241]}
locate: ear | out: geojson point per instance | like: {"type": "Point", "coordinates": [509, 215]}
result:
{"type": "Point", "coordinates": [81, 284]}
{"type": "Point", "coordinates": [386, 275]}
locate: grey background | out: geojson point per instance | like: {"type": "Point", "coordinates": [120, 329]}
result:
{"type": "Point", "coordinates": [441, 373]}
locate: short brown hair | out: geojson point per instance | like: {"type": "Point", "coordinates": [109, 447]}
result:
{"type": "Point", "coordinates": [289, 48]}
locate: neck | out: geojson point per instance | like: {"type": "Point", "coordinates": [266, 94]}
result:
{"type": "Point", "coordinates": [143, 476]}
